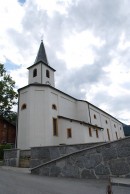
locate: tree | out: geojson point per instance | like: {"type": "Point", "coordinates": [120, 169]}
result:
{"type": "Point", "coordinates": [8, 95]}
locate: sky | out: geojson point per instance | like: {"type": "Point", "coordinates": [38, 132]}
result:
{"type": "Point", "coordinates": [87, 42]}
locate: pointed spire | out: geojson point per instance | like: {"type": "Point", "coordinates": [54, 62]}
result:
{"type": "Point", "coordinates": [41, 55]}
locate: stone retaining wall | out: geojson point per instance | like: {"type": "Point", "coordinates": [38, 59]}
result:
{"type": "Point", "coordinates": [11, 157]}
{"type": "Point", "coordinates": [17, 158]}
{"type": "Point", "coordinates": [110, 159]}
{"type": "Point", "coordinates": [40, 155]}
{"type": "Point", "coordinates": [24, 161]}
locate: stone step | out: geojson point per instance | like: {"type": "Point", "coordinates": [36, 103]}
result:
{"type": "Point", "coordinates": [120, 181]}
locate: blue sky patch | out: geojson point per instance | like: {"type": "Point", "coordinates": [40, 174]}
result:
{"type": "Point", "coordinates": [10, 66]}
{"type": "Point", "coordinates": [22, 1]}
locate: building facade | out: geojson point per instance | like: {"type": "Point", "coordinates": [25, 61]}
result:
{"type": "Point", "coordinates": [48, 116]}
{"type": "Point", "coordinates": [7, 132]}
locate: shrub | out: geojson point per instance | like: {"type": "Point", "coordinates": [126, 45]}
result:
{"type": "Point", "coordinates": [2, 148]}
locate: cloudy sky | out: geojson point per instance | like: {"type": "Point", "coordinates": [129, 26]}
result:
{"type": "Point", "coordinates": [87, 42]}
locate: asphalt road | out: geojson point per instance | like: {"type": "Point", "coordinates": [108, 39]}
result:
{"type": "Point", "coordinates": [18, 181]}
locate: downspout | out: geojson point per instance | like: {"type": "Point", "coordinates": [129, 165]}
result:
{"type": "Point", "coordinates": [89, 114]}
{"type": "Point", "coordinates": [41, 73]}
{"type": "Point", "coordinates": [16, 138]}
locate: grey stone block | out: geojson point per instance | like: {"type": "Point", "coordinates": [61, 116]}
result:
{"type": "Point", "coordinates": [70, 171]}
{"type": "Point", "coordinates": [60, 164]}
{"type": "Point", "coordinates": [119, 167]}
{"type": "Point", "coordinates": [34, 163]}
{"type": "Point", "coordinates": [92, 161]}
{"type": "Point", "coordinates": [99, 149]}
{"type": "Point", "coordinates": [86, 174]}
{"type": "Point", "coordinates": [80, 162]}
{"type": "Point", "coordinates": [44, 171]}
{"type": "Point", "coordinates": [71, 150]}
{"type": "Point", "coordinates": [25, 153]}
{"type": "Point", "coordinates": [6, 162]}
{"type": "Point", "coordinates": [101, 170]}
{"type": "Point", "coordinates": [125, 143]}
{"type": "Point", "coordinates": [95, 159]}
{"type": "Point", "coordinates": [128, 175]}
{"type": "Point", "coordinates": [109, 154]}
{"type": "Point", "coordinates": [40, 153]}
{"type": "Point", "coordinates": [70, 160]}
{"type": "Point", "coordinates": [12, 162]}
{"type": "Point", "coordinates": [123, 152]}
{"type": "Point", "coordinates": [10, 154]}
{"type": "Point", "coordinates": [128, 160]}
{"type": "Point", "coordinates": [54, 171]}
{"type": "Point", "coordinates": [54, 153]}
{"type": "Point", "coordinates": [36, 171]}
{"type": "Point", "coordinates": [62, 150]}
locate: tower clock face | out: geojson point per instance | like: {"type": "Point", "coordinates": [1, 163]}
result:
{"type": "Point", "coordinates": [48, 83]}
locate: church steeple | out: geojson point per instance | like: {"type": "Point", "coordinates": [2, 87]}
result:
{"type": "Point", "coordinates": [41, 55]}
{"type": "Point", "coordinates": [40, 72]}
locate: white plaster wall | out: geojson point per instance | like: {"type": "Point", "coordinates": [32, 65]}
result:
{"type": "Point", "coordinates": [41, 75]}
{"type": "Point", "coordinates": [82, 111]}
{"type": "Point", "coordinates": [23, 120]}
{"type": "Point", "coordinates": [67, 106]}
{"type": "Point", "coordinates": [101, 117]}
{"type": "Point", "coordinates": [106, 126]}
{"type": "Point", "coordinates": [35, 126]}
{"type": "Point", "coordinates": [38, 77]}
{"type": "Point", "coordinates": [46, 79]}
{"type": "Point", "coordinates": [94, 121]}
{"type": "Point", "coordinates": [121, 131]}
{"type": "Point", "coordinates": [54, 114]}
{"type": "Point", "coordinates": [80, 133]}
{"type": "Point", "coordinates": [116, 128]}
{"type": "Point", "coordinates": [41, 125]}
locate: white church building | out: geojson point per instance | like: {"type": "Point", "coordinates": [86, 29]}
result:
{"type": "Point", "coordinates": [48, 116]}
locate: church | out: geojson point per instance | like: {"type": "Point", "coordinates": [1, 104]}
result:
{"type": "Point", "coordinates": [49, 117]}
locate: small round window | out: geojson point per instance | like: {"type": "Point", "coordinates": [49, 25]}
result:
{"type": "Point", "coordinates": [24, 106]}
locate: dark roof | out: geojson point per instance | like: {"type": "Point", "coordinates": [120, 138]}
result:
{"type": "Point", "coordinates": [46, 85]}
{"type": "Point", "coordinates": [41, 55]}
{"type": "Point", "coordinates": [5, 120]}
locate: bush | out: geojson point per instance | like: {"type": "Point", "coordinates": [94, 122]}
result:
{"type": "Point", "coordinates": [2, 148]}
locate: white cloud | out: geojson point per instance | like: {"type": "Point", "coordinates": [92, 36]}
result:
{"type": "Point", "coordinates": [79, 49]}
{"type": "Point", "coordinates": [87, 40]}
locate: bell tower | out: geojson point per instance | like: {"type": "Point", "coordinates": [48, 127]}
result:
{"type": "Point", "coordinates": [40, 72]}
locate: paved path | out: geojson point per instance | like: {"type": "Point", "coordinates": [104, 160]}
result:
{"type": "Point", "coordinates": [20, 181]}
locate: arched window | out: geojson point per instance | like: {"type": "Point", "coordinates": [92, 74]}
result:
{"type": "Point", "coordinates": [47, 73]}
{"type": "Point", "coordinates": [54, 107]}
{"type": "Point", "coordinates": [106, 122]}
{"type": "Point", "coordinates": [95, 116]}
{"type": "Point", "coordinates": [34, 72]}
{"type": "Point", "coordinates": [24, 106]}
